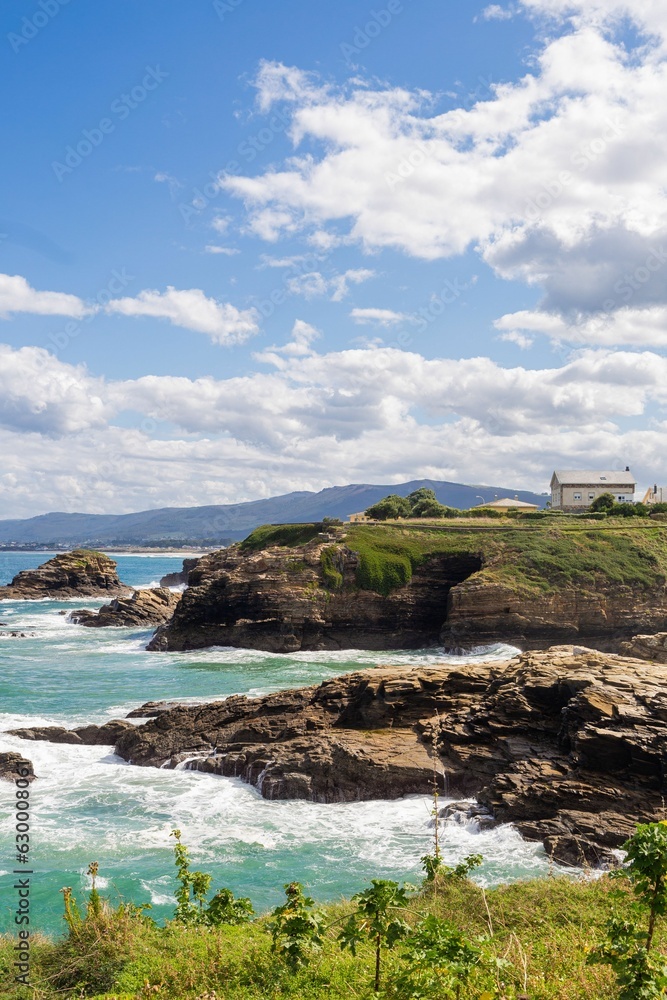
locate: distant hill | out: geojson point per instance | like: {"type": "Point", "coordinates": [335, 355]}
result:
{"type": "Point", "coordinates": [224, 523]}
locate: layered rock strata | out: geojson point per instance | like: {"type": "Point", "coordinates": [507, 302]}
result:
{"type": "Point", "coordinates": [81, 573]}
{"type": "Point", "coordinates": [282, 599]}
{"type": "Point", "coordinates": [276, 600]}
{"type": "Point", "coordinates": [647, 647]}
{"type": "Point", "coordinates": [142, 609]}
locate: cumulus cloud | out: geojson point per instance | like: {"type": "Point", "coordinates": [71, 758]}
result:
{"type": "Point", "coordinates": [17, 296]}
{"type": "Point", "coordinates": [313, 283]}
{"type": "Point", "coordinates": [380, 317]}
{"type": "Point", "coordinates": [556, 178]}
{"type": "Point", "coordinates": [40, 394]}
{"type": "Point", "coordinates": [313, 419]}
{"type": "Point", "coordinates": [192, 310]}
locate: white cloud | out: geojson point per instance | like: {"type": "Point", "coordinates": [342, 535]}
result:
{"type": "Point", "coordinates": [557, 178]}
{"type": "Point", "coordinates": [382, 317]}
{"type": "Point", "coordinates": [40, 394]}
{"type": "Point", "coordinates": [313, 283]}
{"type": "Point", "coordinates": [626, 326]}
{"type": "Point", "coordinates": [192, 310]}
{"type": "Point", "coordinates": [520, 339]}
{"type": "Point", "coordinates": [227, 251]}
{"type": "Point", "coordinates": [17, 296]}
{"type": "Point", "coordinates": [312, 420]}
{"type": "Point", "coordinates": [494, 12]}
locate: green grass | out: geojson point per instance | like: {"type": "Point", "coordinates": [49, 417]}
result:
{"type": "Point", "coordinates": [543, 928]}
{"type": "Point", "coordinates": [530, 560]}
{"type": "Point", "coordinates": [280, 534]}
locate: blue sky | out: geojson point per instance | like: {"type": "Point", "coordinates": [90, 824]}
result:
{"type": "Point", "coordinates": [248, 247]}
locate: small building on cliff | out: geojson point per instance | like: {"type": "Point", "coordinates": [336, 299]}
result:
{"type": "Point", "coordinates": [507, 504]}
{"type": "Point", "coordinates": [655, 494]}
{"type": "Point", "coordinates": [576, 490]}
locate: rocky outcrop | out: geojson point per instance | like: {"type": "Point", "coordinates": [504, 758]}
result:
{"type": "Point", "coordinates": [181, 577]}
{"type": "Point", "coordinates": [355, 737]}
{"type": "Point", "coordinates": [647, 647]}
{"type": "Point", "coordinates": [570, 744]}
{"type": "Point", "coordinates": [277, 600]}
{"type": "Point", "coordinates": [143, 609]}
{"type": "Point", "coordinates": [13, 766]}
{"type": "Point", "coordinates": [81, 573]}
{"type": "Point", "coordinates": [105, 735]}
{"type": "Point", "coordinates": [479, 586]}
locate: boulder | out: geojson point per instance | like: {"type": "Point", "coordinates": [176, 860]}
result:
{"type": "Point", "coordinates": [13, 766]}
{"type": "Point", "coordinates": [81, 573]}
{"type": "Point", "coordinates": [647, 647]}
{"type": "Point", "coordinates": [142, 609]}
{"type": "Point", "coordinates": [181, 577]}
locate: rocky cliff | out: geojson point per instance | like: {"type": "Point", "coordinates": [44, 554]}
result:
{"type": "Point", "coordinates": [81, 573]}
{"type": "Point", "coordinates": [142, 609]}
{"type": "Point", "coordinates": [390, 587]}
{"type": "Point", "coordinates": [277, 599]}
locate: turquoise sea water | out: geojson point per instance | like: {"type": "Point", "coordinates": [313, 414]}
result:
{"type": "Point", "coordinates": [88, 805]}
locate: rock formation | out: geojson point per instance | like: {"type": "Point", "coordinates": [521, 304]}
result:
{"type": "Point", "coordinates": [105, 735]}
{"type": "Point", "coordinates": [181, 577]}
{"type": "Point", "coordinates": [143, 609]}
{"type": "Point", "coordinates": [275, 600]}
{"type": "Point", "coordinates": [81, 573]}
{"type": "Point", "coordinates": [568, 743]}
{"type": "Point", "coordinates": [13, 766]}
{"type": "Point", "coordinates": [647, 647]}
{"type": "Point", "coordinates": [492, 585]}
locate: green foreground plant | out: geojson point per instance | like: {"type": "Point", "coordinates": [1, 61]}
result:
{"type": "Point", "coordinates": [640, 973]}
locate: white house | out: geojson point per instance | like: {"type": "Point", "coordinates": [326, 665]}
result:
{"type": "Point", "coordinates": [576, 490]}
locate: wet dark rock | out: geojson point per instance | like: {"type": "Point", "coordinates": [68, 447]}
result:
{"type": "Point", "coordinates": [13, 766]}
{"type": "Point", "coordinates": [142, 609]}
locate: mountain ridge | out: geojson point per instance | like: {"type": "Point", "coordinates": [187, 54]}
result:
{"type": "Point", "coordinates": [220, 523]}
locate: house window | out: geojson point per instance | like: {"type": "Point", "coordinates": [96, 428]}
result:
{"type": "Point", "coordinates": [591, 496]}
{"type": "Point", "coordinates": [577, 496]}
{"type": "Point", "coordinates": [621, 499]}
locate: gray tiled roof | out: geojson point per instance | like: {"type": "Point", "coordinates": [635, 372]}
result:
{"type": "Point", "coordinates": [616, 477]}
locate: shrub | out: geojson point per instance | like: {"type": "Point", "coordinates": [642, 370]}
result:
{"type": "Point", "coordinates": [377, 918]}
{"type": "Point", "coordinates": [627, 949]}
{"type": "Point", "coordinates": [296, 928]}
{"type": "Point", "coordinates": [333, 578]}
